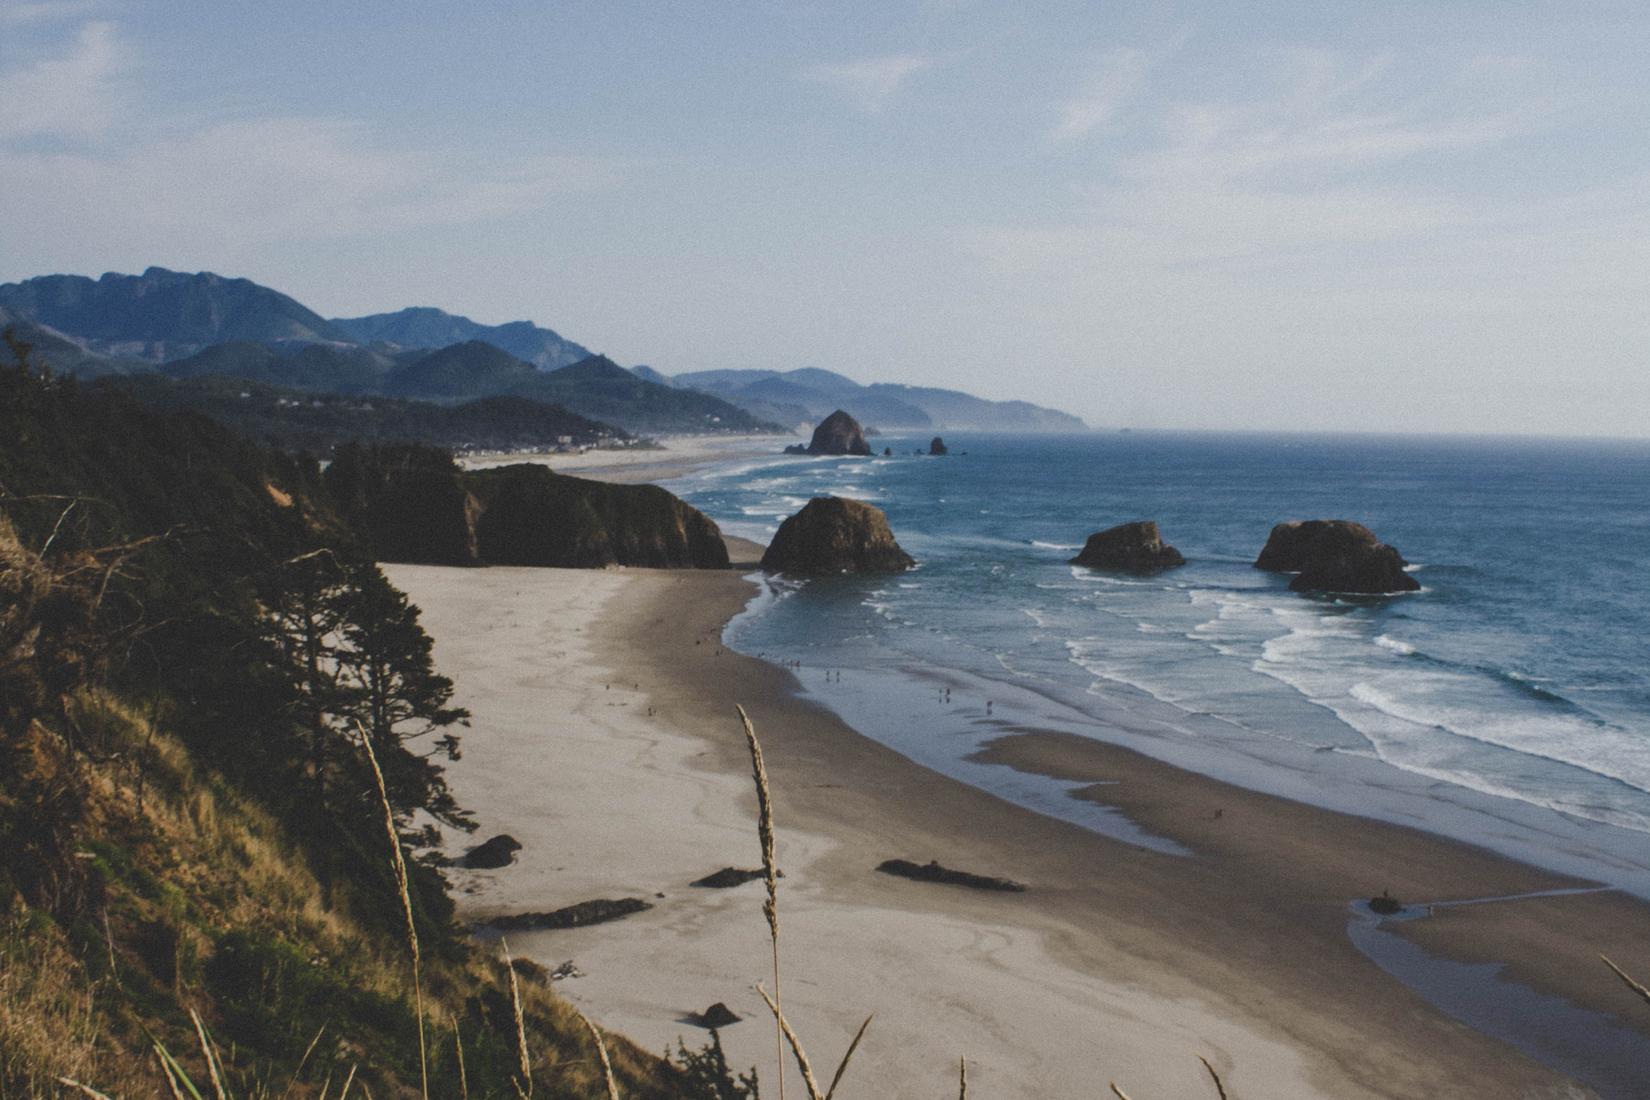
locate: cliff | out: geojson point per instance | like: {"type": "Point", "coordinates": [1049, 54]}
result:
{"type": "Point", "coordinates": [414, 504]}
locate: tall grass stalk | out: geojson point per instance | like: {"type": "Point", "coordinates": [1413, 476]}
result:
{"type": "Point", "coordinates": [770, 909]}
{"type": "Point", "coordinates": [770, 874]}
{"type": "Point", "coordinates": [524, 1087]}
{"type": "Point", "coordinates": [463, 1078]}
{"type": "Point", "coordinates": [1627, 979]}
{"type": "Point", "coordinates": [400, 866]}
{"type": "Point", "coordinates": [607, 1065]}
{"type": "Point", "coordinates": [962, 1079]}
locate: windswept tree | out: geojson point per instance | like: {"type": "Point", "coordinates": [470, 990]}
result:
{"type": "Point", "coordinates": [398, 699]}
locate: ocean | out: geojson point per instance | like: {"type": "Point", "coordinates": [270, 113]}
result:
{"type": "Point", "coordinates": [1507, 703]}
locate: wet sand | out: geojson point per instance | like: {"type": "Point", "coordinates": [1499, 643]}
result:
{"type": "Point", "coordinates": [604, 738]}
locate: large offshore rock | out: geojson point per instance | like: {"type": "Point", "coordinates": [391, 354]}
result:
{"type": "Point", "coordinates": [839, 434]}
{"type": "Point", "coordinates": [833, 535]}
{"type": "Point", "coordinates": [1129, 548]}
{"type": "Point", "coordinates": [1335, 555]}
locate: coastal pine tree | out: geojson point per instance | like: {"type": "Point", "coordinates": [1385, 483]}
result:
{"type": "Point", "coordinates": [394, 695]}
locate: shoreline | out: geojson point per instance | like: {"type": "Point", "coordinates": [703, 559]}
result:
{"type": "Point", "coordinates": [676, 456]}
{"type": "Point", "coordinates": [1207, 949]}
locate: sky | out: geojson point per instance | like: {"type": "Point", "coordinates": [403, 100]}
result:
{"type": "Point", "coordinates": [1323, 216]}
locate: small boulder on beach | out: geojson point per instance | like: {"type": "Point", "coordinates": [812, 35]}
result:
{"type": "Point", "coordinates": [597, 911]}
{"type": "Point", "coordinates": [498, 851]}
{"type": "Point", "coordinates": [1385, 905]}
{"type": "Point", "coordinates": [1136, 547]}
{"type": "Point", "coordinates": [717, 1015]}
{"type": "Point", "coordinates": [933, 872]}
{"type": "Point", "coordinates": [729, 877]}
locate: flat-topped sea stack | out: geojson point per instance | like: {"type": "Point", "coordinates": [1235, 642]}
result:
{"type": "Point", "coordinates": [839, 434]}
{"type": "Point", "coordinates": [833, 535]}
{"type": "Point", "coordinates": [1129, 548]}
{"type": "Point", "coordinates": [1335, 555]}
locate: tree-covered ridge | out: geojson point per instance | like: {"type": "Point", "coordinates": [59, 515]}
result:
{"type": "Point", "coordinates": [317, 422]}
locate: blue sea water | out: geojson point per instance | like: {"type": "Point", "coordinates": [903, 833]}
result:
{"type": "Point", "coordinates": [1507, 703]}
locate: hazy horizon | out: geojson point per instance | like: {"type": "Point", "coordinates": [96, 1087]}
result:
{"type": "Point", "coordinates": [1404, 220]}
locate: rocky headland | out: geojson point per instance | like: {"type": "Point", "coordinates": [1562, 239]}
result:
{"type": "Point", "coordinates": [1335, 555]}
{"type": "Point", "coordinates": [835, 535]}
{"type": "Point", "coordinates": [1129, 548]}
{"type": "Point", "coordinates": [415, 505]}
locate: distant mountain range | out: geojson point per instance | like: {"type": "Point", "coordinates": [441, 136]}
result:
{"type": "Point", "coordinates": [811, 394]}
{"type": "Point", "coordinates": [425, 327]}
{"type": "Point", "coordinates": [193, 326]}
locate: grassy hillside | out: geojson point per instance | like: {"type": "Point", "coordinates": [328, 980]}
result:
{"type": "Point", "coordinates": [201, 853]}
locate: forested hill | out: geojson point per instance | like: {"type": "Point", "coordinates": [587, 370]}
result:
{"type": "Point", "coordinates": [196, 652]}
{"type": "Point", "coordinates": [317, 423]}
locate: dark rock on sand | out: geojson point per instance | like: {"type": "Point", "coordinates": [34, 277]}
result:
{"type": "Point", "coordinates": [1335, 555]}
{"type": "Point", "coordinates": [834, 535]}
{"type": "Point", "coordinates": [717, 1015]}
{"type": "Point", "coordinates": [500, 851]}
{"type": "Point", "coordinates": [1129, 547]}
{"type": "Point", "coordinates": [839, 434]}
{"type": "Point", "coordinates": [728, 877]}
{"type": "Point", "coordinates": [933, 872]}
{"type": "Point", "coordinates": [936, 446]}
{"type": "Point", "coordinates": [1385, 905]}
{"type": "Point", "coordinates": [599, 911]}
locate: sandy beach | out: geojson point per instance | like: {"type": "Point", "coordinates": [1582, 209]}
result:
{"type": "Point", "coordinates": [674, 456]}
{"type": "Point", "coordinates": [604, 739]}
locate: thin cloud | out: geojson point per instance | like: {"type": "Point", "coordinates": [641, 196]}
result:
{"type": "Point", "coordinates": [869, 82]}
{"type": "Point", "coordinates": [164, 177]}
{"type": "Point", "coordinates": [1116, 81]}
{"type": "Point", "coordinates": [70, 96]}
{"type": "Point", "coordinates": [47, 11]}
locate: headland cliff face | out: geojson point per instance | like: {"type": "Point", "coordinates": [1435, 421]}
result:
{"type": "Point", "coordinates": [414, 504]}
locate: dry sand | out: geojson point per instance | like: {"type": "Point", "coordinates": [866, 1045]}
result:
{"type": "Point", "coordinates": [604, 739]}
{"type": "Point", "coordinates": [674, 456]}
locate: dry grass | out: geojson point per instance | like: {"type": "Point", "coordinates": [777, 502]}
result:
{"type": "Point", "coordinates": [399, 864]}
{"type": "Point", "coordinates": [770, 908]}
{"type": "Point", "coordinates": [1627, 979]}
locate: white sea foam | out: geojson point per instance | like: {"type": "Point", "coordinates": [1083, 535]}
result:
{"type": "Point", "coordinates": [1386, 641]}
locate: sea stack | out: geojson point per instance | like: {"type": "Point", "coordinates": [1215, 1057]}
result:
{"type": "Point", "coordinates": [833, 535]}
{"type": "Point", "coordinates": [1335, 555]}
{"type": "Point", "coordinates": [1129, 548]}
{"type": "Point", "coordinates": [937, 447]}
{"type": "Point", "coordinates": [839, 434]}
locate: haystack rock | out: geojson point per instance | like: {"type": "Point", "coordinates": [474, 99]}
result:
{"type": "Point", "coordinates": [1335, 555]}
{"type": "Point", "coordinates": [937, 447]}
{"type": "Point", "coordinates": [839, 434]}
{"type": "Point", "coordinates": [1129, 548]}
{"type": "Point", "coordinates": [833, 535]}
